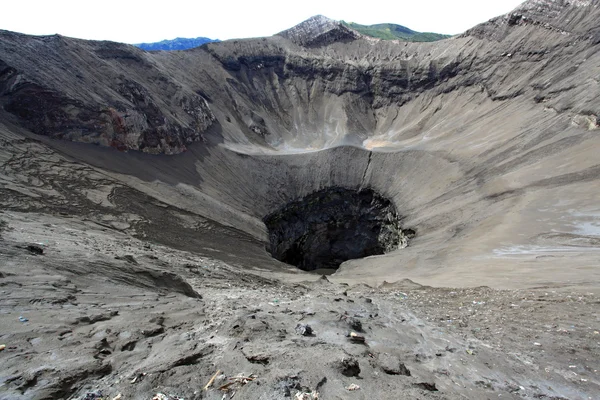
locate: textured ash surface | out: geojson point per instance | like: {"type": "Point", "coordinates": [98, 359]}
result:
{"type": "Point", "coordinates": [154, 272]}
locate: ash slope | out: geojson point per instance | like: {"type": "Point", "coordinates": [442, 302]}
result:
{"type": "Point", "coordinates": [131, 326]}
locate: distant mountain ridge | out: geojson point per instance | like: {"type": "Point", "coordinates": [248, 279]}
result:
{"type": "Point", "coordinates": [176, 44]}
{"type": "Point", "coordinates": [394, 32]}
{"type": "Point", "coordinates": [381, 31]}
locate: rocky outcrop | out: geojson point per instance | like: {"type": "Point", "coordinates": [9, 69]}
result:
{"type": "Point", "coordinates": [319, 31]}
{"type": "Point", "coordinates": [98, 92]}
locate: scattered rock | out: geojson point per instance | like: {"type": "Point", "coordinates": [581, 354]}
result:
{"type": "Point", "coordinates": [129, 258]}
{"type": "Point", "coordinates": [35, 249]}
{"type": "Point", "coordinates": [95, 395]}
{"type": "Point", "coordinates": [167, 280]}
{"type": "Point", "coordinates": [356, 338]}
{"type": "Point", "coordinates": [92, 319]}
{"type": "Point", "coordinates": [306, 396]}
{"type": "Point", "coordinates": [349, 367]}
{"type": "Point", "coordinates": [258, 359]}
{"type": "Point", "coordinates": [287, 384]}
{"type": "Point", "coordinates": [391, 365]}
{"type": "Point", "coordinates": [103, 349]}
{"type": "Point", "coordinates": [304, 330]}
{"type": "Point", "coordinates": [355, 324]}
{"type": "Point", "coordinates": [427, 386]}
{"type": "Point", "coordinates": [321, 383]}
{"type": "Point", "coordinates": [129, 346]}
{"type": "Point", "coordinates": [153, 331]}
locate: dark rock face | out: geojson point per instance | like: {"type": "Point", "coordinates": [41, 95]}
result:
{"type": "Point", "coordinates": [333, 225]}
{"type": "Point", "coordinates": [98, 92]}
{"type": "Point", "coordinates": [319, 84]}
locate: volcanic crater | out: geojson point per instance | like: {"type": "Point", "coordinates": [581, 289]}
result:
{"type": "Point", "coordinates": [166, 218]}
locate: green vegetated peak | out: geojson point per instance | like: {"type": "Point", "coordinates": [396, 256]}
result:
{"type": "Point", "coordinates": [395, 32]}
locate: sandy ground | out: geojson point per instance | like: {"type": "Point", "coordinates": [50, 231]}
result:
{"type": "Point", "coordinates": [107, 314]}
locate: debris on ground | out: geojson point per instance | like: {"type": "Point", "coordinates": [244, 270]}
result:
{"type": "Point", "coordinates": [162, 396]}
{"type": "Point", "coordinates": [23, 319]}
{"type": "Point", "coordinates": [353, 323]}
{"type": "Point", "coordinates": [392, 365]}
{"type": "Point", "coordinates": [356, 338]}
{"type": "Point", "coordinates": [212, 379]}
{"type": "Point", "coordinates": [307, 396]}
{"type": "Point", "coordinates": [35, 249]}
{"type": "Point", "coordinates": [137, 377]}
{"type": "Point", "coordinates": [95, 395]}
{"type": "Point", "coordinates": [349, 367]}
{"type": "Point", "coordinates": [353, 387]}
{"type": "Point", "coordinates": [2, 347]}
{"type": "Point", "coordinates": [304, 330]}
{"type": "Point", "coordinates": [427, 386]}
{"type": "Point", "coordinates": [262, 359]}
{"type": "Point", "coordinates": [129, 258]}
{"type": "Point", "coordinates": [288, 383]}
{"type": "Point", "coordinates": [240, 380]}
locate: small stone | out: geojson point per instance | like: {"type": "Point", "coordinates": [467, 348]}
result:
{"type": "Point", "coordinates": [35, 249]}
{"type": "Point", "coordinates": [304, 330]}
{"type": "Point", "coordinates": [355, 324]}
{"type": "Point", "coordinates": [356, 338]}
{"type": "Point", "coordinates": [349, 367]}
{"type": "Point", "coordinates": [427, 386]}
{"type": "Point", "coordinates": [129, 258]}
{"type": "Point", "coordinates": [97, 395]}
{"type": "Point", "coordinates": [391, 365]}
{"type": "Point", "coordinates": [306, 396]}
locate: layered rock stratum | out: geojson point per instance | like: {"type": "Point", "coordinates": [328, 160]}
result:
{"type": "Point", "coordinates": [136, 190]}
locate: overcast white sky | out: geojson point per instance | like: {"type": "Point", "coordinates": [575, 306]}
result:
{"type": "Point", "coordinates": [133, 21]}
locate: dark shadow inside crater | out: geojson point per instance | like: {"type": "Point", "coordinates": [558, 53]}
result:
{"type": "Point", "coordinates": [333, 225]}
